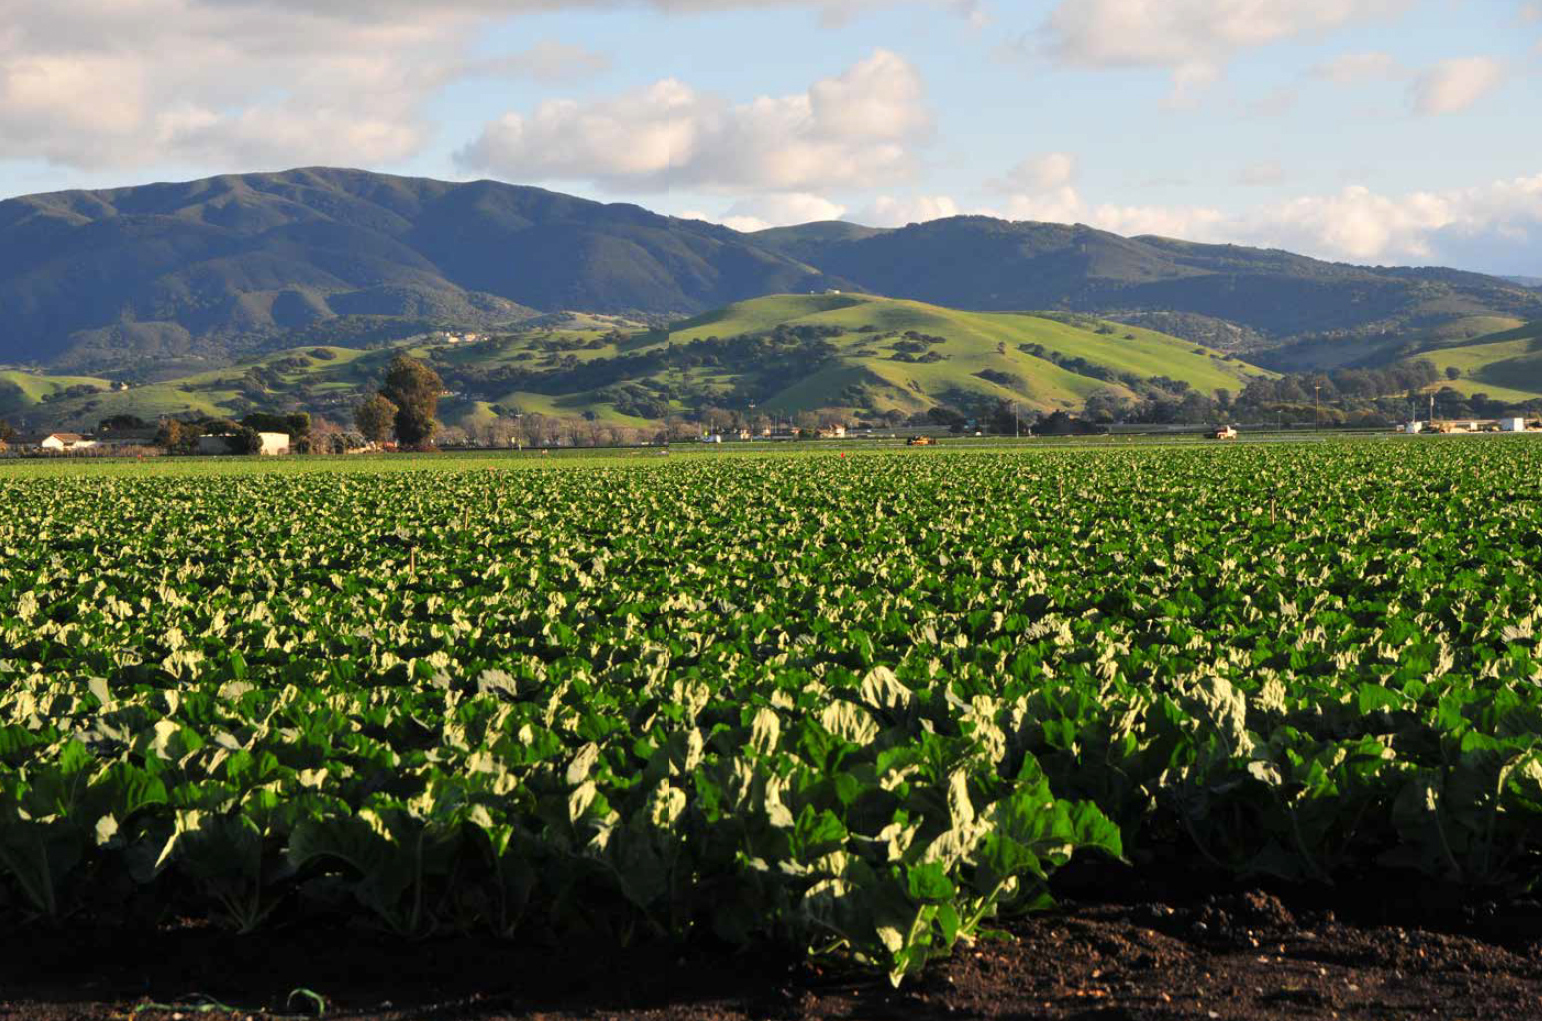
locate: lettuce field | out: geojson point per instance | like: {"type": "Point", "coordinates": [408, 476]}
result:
{"type": "Point", "coordinates": [859, 705]}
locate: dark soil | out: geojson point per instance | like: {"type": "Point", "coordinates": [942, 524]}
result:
{"type": "Point", "coordinates": [1113, 951]}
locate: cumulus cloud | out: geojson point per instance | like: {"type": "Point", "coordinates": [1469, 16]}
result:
{"type": "Point", "coordinates": [1497, 226]}
{"type": "Point", "coordinates": [1452, 86]}
{"type": "Point", "coordinates": [778, 210]}
{"type": "Point", "coordinates": [112, 83]}
{"type": "Point", "coordinates": [891, 211]}
{"type": "Point", "coordinates": [1193, 39]}
{"type": "Point", "coordinates": [856, 129]}
{"type": "Point", "coordinates": [1066, 205]}
{"type": "Point", "coordinates": [1040, 173]}
{"type": "Point", "coordinates": [116, 83]}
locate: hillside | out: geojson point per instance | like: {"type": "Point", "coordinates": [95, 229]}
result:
{"type": "Point", "coordinates": [982, 263]}
{"type": "Point", "coordinates": [183, 273]}
{"type": "Point", "coordinates": [782, 355]}
{"type": "Point", "coordinates": [1506, 365]}
{"type": "Point", "coordinates": [158, 282]}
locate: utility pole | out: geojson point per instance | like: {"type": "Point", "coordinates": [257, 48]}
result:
{"type": "Point", "coordinates": [1317, 408]}
{"type": "Point", "coordinates": [1017, 430]}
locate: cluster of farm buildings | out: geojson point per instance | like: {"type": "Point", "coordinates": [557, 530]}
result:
{"type": "Point", "coordinates": [1500, 425]}
{"type": "Point", "coordinates": [128, 442]}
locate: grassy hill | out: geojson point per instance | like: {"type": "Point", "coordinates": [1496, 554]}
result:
{"type": "Point", "coordinates": [979, 262]}
{"type": "Point", "coordinates": [1325, 353]}
{"type": "Point", "coordinates": [982, 355]}
{"type": "Point", "coordinates": [1506, 365]}
{"type": "Point", "coordinates": [783, 354]}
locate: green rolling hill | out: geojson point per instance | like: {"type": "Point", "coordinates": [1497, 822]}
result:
{"type": "Point", "coordinates": [1506, 365]}
{"type": "Point", "coordinates": [985, 356]}
{"type": "Point", "coordinates": [782, 354]}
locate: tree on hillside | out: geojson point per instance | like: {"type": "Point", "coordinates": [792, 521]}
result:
{"type": "Point", "coordinates": [414, 388]}
{"type": "Point", "coordinates": [6, 432]}
{"type": "Point", "coordinates": [376, 418]}
{"type": "Point", "coordinates": [121, 423]}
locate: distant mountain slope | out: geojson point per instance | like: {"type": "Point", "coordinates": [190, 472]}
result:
{"type": "Point", "coordinates": [234, 263]}
{"type": "Point", "coordinates": [782, 354]}
{"type": "Point", "coordinates": [810, 239]}
{"type": "Point", "coordinates": [982, 263]}
{"type": "Point", "coordinates": [168, 279]}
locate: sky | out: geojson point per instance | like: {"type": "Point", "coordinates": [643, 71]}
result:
{"type": "Point", "coordinates": [1370, 131]}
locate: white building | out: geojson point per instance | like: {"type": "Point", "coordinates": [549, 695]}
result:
{"type": "Point", "coordinates": [224, 443]}
{"type": "Point", "coordinates": [66, 441]}
{"type": "Point", "coordinates": [274, 443]}
{"type": "Point", "coordinates": [54, 443]}
{"type": "Point", "coordinates": [1512, 425]}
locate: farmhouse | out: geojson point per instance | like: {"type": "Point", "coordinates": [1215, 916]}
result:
{"type": "Point", "coordinates": [54, 443]}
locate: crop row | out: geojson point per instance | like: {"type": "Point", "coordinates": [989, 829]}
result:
{"type": "Point", "coordinates": [858, 704]}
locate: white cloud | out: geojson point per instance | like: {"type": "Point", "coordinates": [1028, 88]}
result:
{"type": "Point", "coordinates": [778, 210]}
{"type": "Point", "coordinates": [1193, 39]}
{"type": "Point", "coordinates": [114, 83]}
{"type": "Point", "coordinates": [1452, 86]}
{"type": "Point", "coordinates": [1040, 173]}
{"type": "Point", "coordinates": [856, 129]}
{"type": "Point", "coordinates": [1066, 205]}
{"type": "Point", "coordinates": [888, 211]}
{"type": "Point", "coordinates": [1474, 226]}
{"type": "Point", "coordinates": [1355, 224]}
{"type": "Point", "coordinates": [1352, 68]}
{"type": "Point", "coordinates": [101, 84]}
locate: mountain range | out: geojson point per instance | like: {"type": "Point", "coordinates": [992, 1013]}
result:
{"type": "Point", "coordinates": [160, 280]}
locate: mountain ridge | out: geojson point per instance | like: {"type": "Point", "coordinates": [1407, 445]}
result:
{"type": "Point", "coordinates": [175, 277]}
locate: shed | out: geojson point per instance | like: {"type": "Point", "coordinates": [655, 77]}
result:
{"type": "Point", "coordinates": [1512, 425]}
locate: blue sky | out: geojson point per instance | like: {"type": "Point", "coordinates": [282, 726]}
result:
{"type": "Point", "coordinates": [1384, 131]}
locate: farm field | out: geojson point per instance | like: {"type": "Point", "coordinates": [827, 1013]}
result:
{"type": "Point", "coordinates": [857, 707]}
